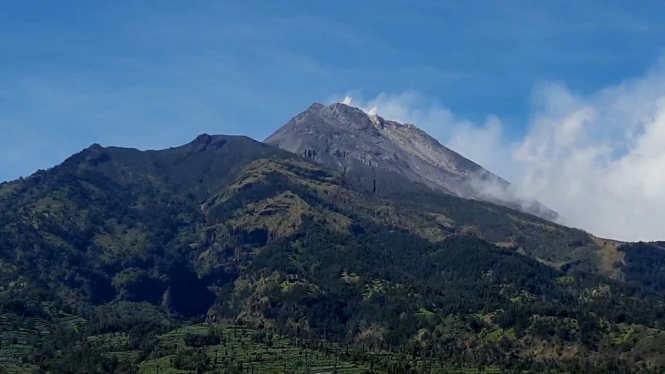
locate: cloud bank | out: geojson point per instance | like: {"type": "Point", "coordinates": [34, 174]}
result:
{"type": "Point", "coordinates": [598, 159]}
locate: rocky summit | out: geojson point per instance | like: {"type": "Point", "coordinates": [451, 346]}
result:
{"type": "Point", "coordinates": [386, 157]}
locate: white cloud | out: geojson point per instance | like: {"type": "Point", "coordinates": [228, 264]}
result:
{"type": "Point", "coordinates": [597, 159]}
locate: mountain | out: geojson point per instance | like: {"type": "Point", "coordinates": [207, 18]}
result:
{"type": "Point", "coordinates": [109, 261]}
{"type": "Point", "coordinates": [387, 156]}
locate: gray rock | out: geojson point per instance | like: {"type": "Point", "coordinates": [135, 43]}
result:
{"type": "Point", "coordinates": [387, 157]}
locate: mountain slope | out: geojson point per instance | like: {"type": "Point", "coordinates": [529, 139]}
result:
{"type": "Point", "coordinates": [388, 157]}
{"type": "Point", "coordinates": [225, 228]}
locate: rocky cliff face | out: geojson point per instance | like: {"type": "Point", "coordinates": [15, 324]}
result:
{"type": "Point", "coordinates": [387, 156]}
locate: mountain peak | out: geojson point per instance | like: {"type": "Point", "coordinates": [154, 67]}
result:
{"type": "Point", "coordinates": [351, 118]}
{"type": "Point", "coordinates": [316, 106]}
{"type": "Point", "coordinates": [203, 139]}
{"type": "Point", "coordinates": [355, 141]}
{"type": "Point", "coordinates": [343, 109]}
{"type": "Point", "coordinates": [95, 146]}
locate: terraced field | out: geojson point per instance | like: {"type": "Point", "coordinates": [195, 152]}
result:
{"type": "Point", "coordinates": [17, 335]}
{"type": "Point", "coordinates": [249, 351]}
{"type": "Point", "coordinates": [241, 350]}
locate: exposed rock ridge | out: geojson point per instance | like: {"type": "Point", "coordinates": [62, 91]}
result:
{"type": "Point", "coordinates": [353, 141]}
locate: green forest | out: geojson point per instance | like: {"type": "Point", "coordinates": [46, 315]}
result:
{"type": "Point", "coordinates": [228, 256]}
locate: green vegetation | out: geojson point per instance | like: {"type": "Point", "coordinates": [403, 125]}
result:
{"type": "Point", "coordinates": [226, 255]}
{"type": "Point", "coordinates": [542, 239]}
{"type": "Point", "coordinates": [644, 264]}
{"type": "Point", "coordinates": [231, 349]}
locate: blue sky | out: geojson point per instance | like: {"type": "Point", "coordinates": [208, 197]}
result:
{"type": "Point", "coordinates": [152, 74]}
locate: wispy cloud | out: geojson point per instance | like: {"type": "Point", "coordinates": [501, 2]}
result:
{"type": "Point", "coordinates": [598, 159]}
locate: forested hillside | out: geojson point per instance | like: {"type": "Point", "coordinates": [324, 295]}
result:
{"type": "Point", "coordinates": [106, 257]}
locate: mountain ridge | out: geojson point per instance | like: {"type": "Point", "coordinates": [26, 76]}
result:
{"type": "Point", "coordinates": [132, 244]}
{"type": "Point", "coordinates": [348, 139]}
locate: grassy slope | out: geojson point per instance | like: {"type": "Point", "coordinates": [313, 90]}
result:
{"type": "Point", "coordinates": [117, 206]}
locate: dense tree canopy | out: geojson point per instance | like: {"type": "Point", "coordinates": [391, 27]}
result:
{"type": "Point", "coordinates": [137, 245]}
